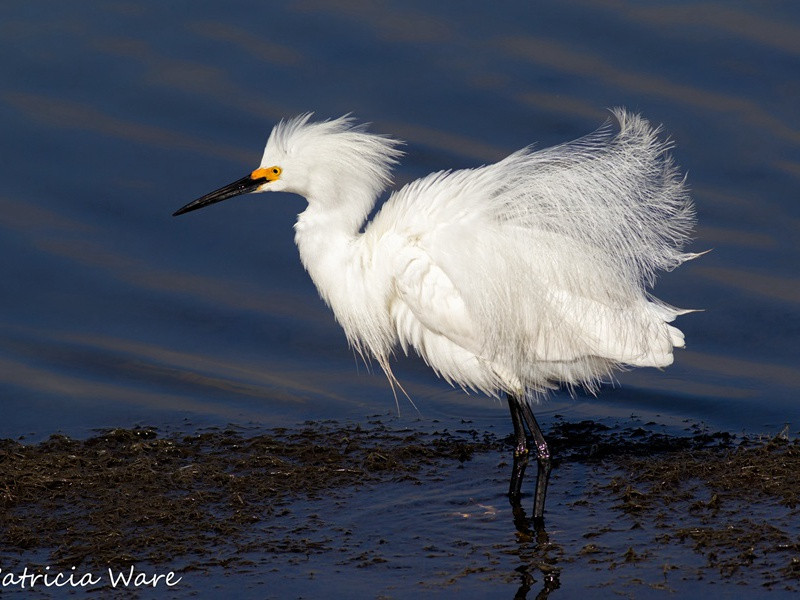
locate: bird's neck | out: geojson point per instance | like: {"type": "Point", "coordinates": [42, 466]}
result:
{"type": "Point", "coordinates": [335, 254]}
{"type": "Point", "coordinates": [326, 234]}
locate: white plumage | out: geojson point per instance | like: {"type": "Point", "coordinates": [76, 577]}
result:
{"type": "Point", "coordinates": [516, 276]}
{"type": "Point", "coordinates": [513, 277]}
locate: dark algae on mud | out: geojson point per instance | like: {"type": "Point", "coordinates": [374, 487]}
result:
{"type": "Point", "coordinates": [131, 495]}
{"type": "Point", "coordinates": [220, 497]}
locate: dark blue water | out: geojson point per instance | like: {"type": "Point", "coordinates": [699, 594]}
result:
{"type": "Point", "coordinates": [115, 114]}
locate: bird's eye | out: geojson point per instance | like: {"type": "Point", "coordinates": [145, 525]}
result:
{"type": "Point", "coordinates": [276, 171]}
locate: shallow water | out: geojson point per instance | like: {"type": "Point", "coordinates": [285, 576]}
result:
{"type": "Point", "coordinates": [115, 114]}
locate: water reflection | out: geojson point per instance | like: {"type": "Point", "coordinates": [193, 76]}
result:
{"type": "Point", "coordinates": [63, 114]}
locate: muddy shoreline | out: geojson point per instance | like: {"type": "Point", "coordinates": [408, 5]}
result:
{"type": "Point", "coordinates": [219, 496]}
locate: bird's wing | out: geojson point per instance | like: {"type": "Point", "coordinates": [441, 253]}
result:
{"type": "Point", "coordinates": [520, 317]}
{"type": "Point", "coordinates": [430, 315]}
{"type": "Point", "coordinates": [432, 300]}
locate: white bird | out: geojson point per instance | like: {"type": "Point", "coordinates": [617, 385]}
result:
{"type": "Point", "coordinates": [510, 278]}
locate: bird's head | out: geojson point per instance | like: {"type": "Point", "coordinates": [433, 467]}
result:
{"type": "Point", "coordinates": [324, 161]}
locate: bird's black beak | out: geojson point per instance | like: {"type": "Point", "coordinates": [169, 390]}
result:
{"type": "Point", "coordinates": [242, 186]}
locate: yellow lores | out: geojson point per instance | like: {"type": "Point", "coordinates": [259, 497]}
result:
{"type": "Point", "coordinates": [270, 174]}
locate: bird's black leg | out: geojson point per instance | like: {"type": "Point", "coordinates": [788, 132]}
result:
{"type": "Point", "coordinates": [520, 452]}
{"type": "Point", "coordinates": [521, 455]}
{"type": "Point", "coordinates": [543, 460]}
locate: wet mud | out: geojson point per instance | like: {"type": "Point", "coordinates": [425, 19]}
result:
{"type": "Point", "coordinates": [728, 503]}
{"type": "Point", "coordinates": [219, 497]}
{"type": "Point", "coordinates": [196, 496]}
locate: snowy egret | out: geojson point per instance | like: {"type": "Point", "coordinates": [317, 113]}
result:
{"type": "Point", "coordinates": [511, 278]}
